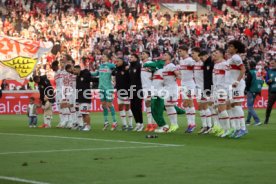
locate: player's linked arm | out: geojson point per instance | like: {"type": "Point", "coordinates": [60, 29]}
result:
{"type": "Point", "coordinates": [95, 73]}
{"type": "Point", "coordinates": [151, 65]}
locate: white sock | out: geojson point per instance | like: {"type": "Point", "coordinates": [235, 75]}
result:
{"type": "Point", "coordinates": [68, 118]}
{"type": "Point", "coordinates": [172, 114]}
{"type": "Point", "coordinates": [74, 114]}
{"type": "Point", "coordinates": [149, 115]}
{"type": "Point", "coordinates": [47, 121]}
{"type": "Point", "coordinates": [224, 120]}
{"type": "Point", "coordinates": [240, 117]}
{"type": "Point", "coordinates": [80, 118]}
{"type": "Point", "coordinates": [232, 121]}
{"type": "Point", "coordinates": [203, 118]}
{"type": "Point", "coordinates": [123, 117]}
{"type": "Point", "coordinates": [193, 115]}
{"type": "Point", "coordinates": [130, 117]}
{"type": "Point", "coordinates": [236, 115]}
{"type": "Point", "coordinates": [215, 119]}
{"type": "Point", "coordinates": [71, 118]}
{"type": "Point", "coordinates": [208, 115]}
{"type": "Point", "coordinates": [64, 119]}
{"type": "Point", "coordinates": [60, 117]}
{"type": "Point", "coordinates": [188, 115]}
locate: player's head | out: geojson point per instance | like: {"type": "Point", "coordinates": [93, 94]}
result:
{"type": "Point", "coordinates": [203, 55]}
{"type": "Point", "coordinates": [167, 56]}
{"type": "Point", "coordinates": [145, 55]}
{"type": "Point", "coordinates": [235, 47]}
{"type": "Point", "coordinates": [66, 58]}
{"type": "Point", "coordinates": [36, 79]}
{"type": "Point", "coordinates": [119, 61]}
{"type": "Point", "coordinates": [70, 62]}
{"type": "Point", "coordinates": [134, 58]}
{"type": "Point", "coordinates": [218, 54]}
{"type": "Point", "coordinates": [32, 100]}
{"type": "Point", "coordinates": [195, 53]}
{"type": "Point", "coordinates": [77, 69]}
{"type": "Point", "coordinates": [183, 51]}
{"type": "Point", "coordinates": [105, 58]}
{"type": "Point", "coordinates": [54, 65]}
{"type": "Point", "coordinates": [273, 63]}
{"type": "Point", "coordinates": [252, 64]}
{"type": "Point", "coordinates": [120, 53]}
{"type": "Point", "coordinates": [69, 68]}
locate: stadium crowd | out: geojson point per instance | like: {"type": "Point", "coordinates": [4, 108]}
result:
{"type": "Point", "coordinates": [90, 33]}
{"type": "Point", "coordinates": [84, 31]}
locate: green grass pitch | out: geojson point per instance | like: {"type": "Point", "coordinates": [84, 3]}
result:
{"type": "Point", "coordinates": [61, 156]}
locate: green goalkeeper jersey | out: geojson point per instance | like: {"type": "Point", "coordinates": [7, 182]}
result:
{"type": "Point", "coordinates": [104, 73]}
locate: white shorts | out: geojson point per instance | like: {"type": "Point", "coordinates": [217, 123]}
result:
{"type": "Point", "coordinates": [220, 96]}
{"type": "Point", "coordinates": [171, 100]}
{"type": "Point", "coordinates": [201, 96]}
{"type": "Point", "coordinates": [84, 108]}
{"type": "Point", "coordinates": [124, 101]}
{"type": "Point", "coordinates": [188, 92]}
{"type": "Point", "coordinates": [64, 101]}
{"type": "Point", "coordinates": [147, 94]}
{"type": "Point", "coordinates": [237, 95]}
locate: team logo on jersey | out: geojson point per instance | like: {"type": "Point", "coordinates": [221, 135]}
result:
{"type": "Point", "coordinates": [208, 67]}
{"type": "Point", "coordinates": [134, 70]}
{"type": "Point", "coordinates": [123, 73]}
{"type": "Point", "coordinates": [81, 79]}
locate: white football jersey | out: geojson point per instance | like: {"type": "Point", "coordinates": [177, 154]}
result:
{"type": "Point", "coordinates": [219, 75]}
{"type": "Point", "coordinates": [169, 77]}
{"type": "Point", "coordinates": [73, 79]}
{"type": "Point", "coordinates": [72, 89]}
{"type": "Point", "coordinates": [58, 79]}
{"type": "Point", "coordinates": [198, 74]}
{"type": "Point", "coordinates": [65, 84]}
{"type": "Point", "coordinates": [158, 82]}
{"type": "Point", "coordinates": [65, 78]}
{"type": "Point", "coordinates": [187, 71]}
{"type": "Point", "coordinates": [233, 73]}
{"type": "Point", "coordinates": [59, 83]}
{"type": "Point", "coordinates": [146, 76]}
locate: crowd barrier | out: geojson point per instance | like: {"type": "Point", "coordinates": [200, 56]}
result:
{"type": "Point", "coordinates": [16, 102]}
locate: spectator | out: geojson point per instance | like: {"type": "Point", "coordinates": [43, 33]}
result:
{"type": "Point", "coordinates": [254, 83]}
{"type": "Point", "coordinates": [4, 85]}
{"type": "Point", "coordinates": [271, 81]}
{"type": "Point", "coordinates": [31, 84]}
{"type": "Point", "coordinates": [32, 113]}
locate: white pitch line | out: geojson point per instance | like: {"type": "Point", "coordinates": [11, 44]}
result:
{"type": "Point", "coordinates": [89, 139]}
{"type": "Point", "coordinates": [21, 180]}
{"type": "Point", "coordinates": [87, 149]}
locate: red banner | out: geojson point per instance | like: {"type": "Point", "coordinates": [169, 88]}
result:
{"type": "Point", "coordinates": [16, 102]}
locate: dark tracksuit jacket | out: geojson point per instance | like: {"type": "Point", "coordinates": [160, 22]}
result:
{"type": "Point", "coordinates": [83, 87]}
{"type": "Point", "coordinates": [208, 67]}
{"type": "Point", "coordinates": [271, 75]}
{"type": "Point", "coordinates": [122, 80]}
{"type": "Point", "coordinates": [135, 80]}
{"type": "Point", "coordinates": [45, 88]}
